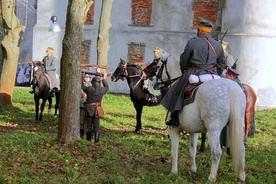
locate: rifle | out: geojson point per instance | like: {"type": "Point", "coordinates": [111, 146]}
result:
{"type": "Point", "coordinates": [235, 64]}
{"type": "Point", "coordinates": [223, 35]}
{"type": "Point", "coordinates": [93, 65]}
{"type": "Point", "coordinates": [96, 73]}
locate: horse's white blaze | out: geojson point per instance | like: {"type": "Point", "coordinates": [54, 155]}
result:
{"type": "Point", "coordinates": [217, 102]}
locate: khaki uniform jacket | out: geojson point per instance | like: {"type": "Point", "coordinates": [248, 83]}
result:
{"type": "Point", "coordinates": [51, 67]}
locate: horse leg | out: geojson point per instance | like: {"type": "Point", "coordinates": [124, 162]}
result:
{"type": "Point", "coordinates": [50, 100]}
{"type": "Point", "coordinates": [42, 109]}
{"type": "Point", "coordinates": [214, 142]}
{"type": "Point", "coordinates": [203, 139]}
{"type": "Point", "coordinates": [57, 103]}
{"type": "Point", "coordinates": [251, 99]}
{"type": "Point", "coordinates": [139, 108]}
{"type": "Point", "coordinates": [36, 108]}
{"type": "Point", "coordinates": [175, 137]}
{"type": "Point", "coordinates": [192, 150]}
{"type": "Point", "coordinates": [251, 131]}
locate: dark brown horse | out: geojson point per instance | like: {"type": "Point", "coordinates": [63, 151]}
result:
{"type": "Point", "coordinates": [41, 86]}
{"type": "Point", "coordinates": [133, 73]}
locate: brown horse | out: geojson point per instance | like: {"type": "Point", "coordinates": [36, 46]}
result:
{"type": "Point", "coordinates": [41, 86]}
{"type": "Point", "coordinates": [251, 99]}
{"type": "Point", "coordinates": [42, 90]}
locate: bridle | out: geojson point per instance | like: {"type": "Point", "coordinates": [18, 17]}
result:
{"type": "Point", "coordinates": [159, 81]}
{"type": "Point", "coordinates": [160, 72]}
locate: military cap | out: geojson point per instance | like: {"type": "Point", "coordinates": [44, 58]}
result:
{"type": "Point", "coordinates": [205, 25]}
{"type": "Point", "coordinates": [233, 71]}
{"type": "Point", "coordinates": [86, 76]}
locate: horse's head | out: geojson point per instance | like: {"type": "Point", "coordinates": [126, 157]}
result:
{"type": "Point", "coordinates": [37, 70]}
{"type": "Point", "coordinates": [170, 68]}
{"type": "Point", "coordinates": [120, 72]}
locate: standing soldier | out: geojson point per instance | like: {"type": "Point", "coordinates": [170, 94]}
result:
{"type": "Point", "coordinates": [95, 95]}
{"type": "Point", "coordinates": [86, 82]}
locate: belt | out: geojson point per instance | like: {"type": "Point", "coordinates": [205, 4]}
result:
{"type": "Point", "coordinates": [214, 67]}
{"type": "Point", "coordinates": [94, 103]}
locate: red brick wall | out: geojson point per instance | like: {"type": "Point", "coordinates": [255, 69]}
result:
{"type": "Point", "coordinates": [207, 9]}
{"type": "Point", "coordinates": [85, 52]}
{"type": "Point", "coordinates": [90, 15]}
{"type": "Point", "coordinates": [141, 12]}
{"type": "Point", "coordinates": [136, 52]}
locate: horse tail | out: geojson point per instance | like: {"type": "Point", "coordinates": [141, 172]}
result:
{"type": "Point", "coordinates": [236, 124]}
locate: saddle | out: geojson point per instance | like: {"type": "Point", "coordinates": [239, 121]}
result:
{"type": "Point", "coordinates": [190, 91]}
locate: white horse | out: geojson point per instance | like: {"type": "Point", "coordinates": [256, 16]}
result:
{"type": "Point", "coordinates": [217, 102]}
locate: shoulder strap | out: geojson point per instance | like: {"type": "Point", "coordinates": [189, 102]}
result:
{"type": "Point", "coordinates": [215, 53]}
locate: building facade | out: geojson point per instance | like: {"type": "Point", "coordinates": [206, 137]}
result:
{"type": "Point", "coordinates": [138, 26]}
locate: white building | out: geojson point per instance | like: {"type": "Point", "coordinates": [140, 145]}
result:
{"type": "Point", "coordinates": [251, 36]}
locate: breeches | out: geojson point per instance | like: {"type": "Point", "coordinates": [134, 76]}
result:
{"type": "Point", "coordinates": [93, 124]}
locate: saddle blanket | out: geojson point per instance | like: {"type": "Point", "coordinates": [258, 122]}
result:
{"type": "Point", "coordinates": [152, 90]}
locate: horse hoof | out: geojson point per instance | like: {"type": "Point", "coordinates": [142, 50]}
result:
{"type": "Point", "coordinates": [39, 122]}
{"type": "Point", "coordinates": [200, 150]}
{"type": "Point", "coordinates": [55, 116]}
{"type": "Point", "coordinates": [137, 131]}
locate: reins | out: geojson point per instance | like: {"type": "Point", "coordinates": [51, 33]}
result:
{"type": "Point", "coordinates": [131, 76]}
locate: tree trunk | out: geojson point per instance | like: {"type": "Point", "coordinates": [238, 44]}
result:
{"type": "Point", "coordinates": [69, 114]}
{"type": "Point", "coordinates": [103, 36]}
{"type": "Point", "coordinates": [10, 49]}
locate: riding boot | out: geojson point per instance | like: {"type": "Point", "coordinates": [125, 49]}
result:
{"type": "Point", "coordinates": [81, 133]}
{"type": "Point", "coordinates": [97, 137]}
{"type": "Point", "coordinates": [153, 100]}
{"type": "Point", "coordinates": [88, 136]}
{"type": "Point", "coordinates": [173, 121]}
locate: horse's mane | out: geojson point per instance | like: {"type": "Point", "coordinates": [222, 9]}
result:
{"type": "Point", "coordinates": [136, 68]}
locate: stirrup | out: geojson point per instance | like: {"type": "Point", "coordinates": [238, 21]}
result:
{"type": "Point", "coordinates": [172, 122]}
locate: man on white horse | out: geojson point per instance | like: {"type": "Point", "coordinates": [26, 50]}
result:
{"type": "Point", "coordinates": [202, 55]}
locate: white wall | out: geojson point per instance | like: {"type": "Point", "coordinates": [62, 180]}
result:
{"type": "Point", "coordinates": [251, 37]}
{"type": "Point", "coordinates": [169, 31]}
{"type": "Point", "coordinates": [252, 40]}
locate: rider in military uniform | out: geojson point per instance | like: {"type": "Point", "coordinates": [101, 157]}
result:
{"type": "Point", "coordinates": [95, 95]}
{"type": "Point", "coordinates": [202, 55]}
{"type": "Point", "coordinates": [51, 65]}
{"type": "Point", "coordinates": [149, 72]}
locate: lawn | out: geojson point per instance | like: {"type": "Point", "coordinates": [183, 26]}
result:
{"type": "Point", "coordinates": [30, 154]}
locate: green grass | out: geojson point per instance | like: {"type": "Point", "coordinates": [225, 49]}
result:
{"type": "Point", "coordinates": [30, 154]}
